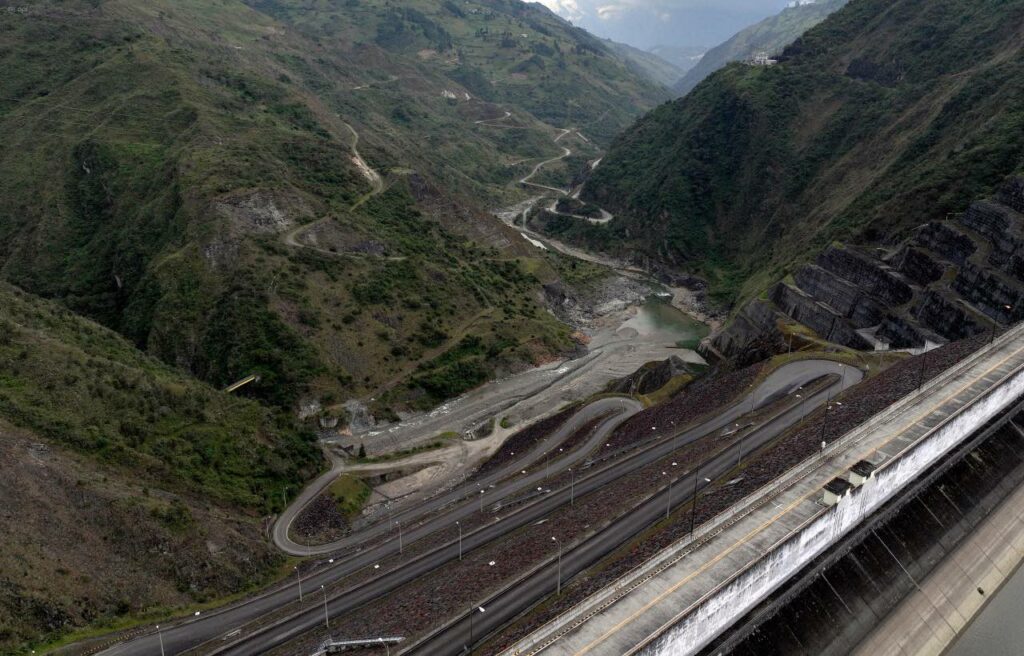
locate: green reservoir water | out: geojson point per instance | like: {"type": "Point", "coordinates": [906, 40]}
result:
{"type": "Point", "coordinates": [659, 321]}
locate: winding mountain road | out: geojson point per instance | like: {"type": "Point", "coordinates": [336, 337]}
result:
{"type": "Point", "coordinates": [229, 627]}
{"type": "Point", "coordinates": [525, 180]}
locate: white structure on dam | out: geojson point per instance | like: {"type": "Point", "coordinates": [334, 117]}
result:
{"type": "Point", "coordinates": [687, 595]}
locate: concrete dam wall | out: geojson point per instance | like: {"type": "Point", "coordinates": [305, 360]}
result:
{"type": "Point", "coordinates": [731, 600]}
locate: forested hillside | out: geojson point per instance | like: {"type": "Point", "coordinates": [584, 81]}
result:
{"type": "Point", "coordinates": [885, 116]}
{"type": "Point", "coordinates": [266, 187]}
{"type": "Point", "coordinates": [126, 485]}
{"type": "Point", "coordinates": [769, 36]}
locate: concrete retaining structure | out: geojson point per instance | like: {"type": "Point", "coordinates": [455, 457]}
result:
{"type": "Point", "coordinates": [715, 586]}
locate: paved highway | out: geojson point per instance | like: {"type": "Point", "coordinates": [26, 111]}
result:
{"type": "Point", "coordinates": [516, 599]}
{"type": "Point", "coordinates": [187, 635]}
{"type": "Point", "coordinates": [616, 410]}
{"type": "Point", "coordinates": [464, 503]}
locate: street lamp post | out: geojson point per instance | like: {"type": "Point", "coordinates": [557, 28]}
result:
{"type": "Point", "coordinates": [387, 647]}
{"type": "Point", "coordinates": [693, 500]}
{"type": "Point", "coordinates": [460, 539]}
{"type": "Point", "coordinates": [824, 421]}
{"type": "Point", "coordinates": [668, 501]}
{"type": "Point", "coordinates": [298, 574]}
{"type": "Point", "coordinates": [400, 547]}
{"type": "Point", "coordinates": [472, 612]}
{"type": "Point", "coordinates": [572, 487]}
{"type": "Point", "coordinates": [481, 501]}
{"type": "Point", "coordinates": [327, 618]}
{"type": "Point", "coordinates": [160, 636]}
{"type": "Point", "coordinates": [996, 323]}
{"type": "Point", "coordinates": [559, 577]}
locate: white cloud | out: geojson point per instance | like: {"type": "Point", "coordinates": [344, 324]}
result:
{"type": "Point", "coordinates": [569, 9]}
{"type": "Point", "coordinates": [673, 22]}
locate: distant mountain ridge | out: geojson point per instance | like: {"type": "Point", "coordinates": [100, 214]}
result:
{"type": "Point", "coordinates": [770, 36]}
{"type": "Point", "coordinates": [648, 63]}
{"type": "Point", "coordinates": [872, 123]}
{"type": "Point", "coordinates": [683, 57]}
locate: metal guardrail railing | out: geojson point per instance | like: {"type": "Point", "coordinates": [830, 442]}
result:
{"type": "Point", "coordinates": [931, 432]}
{"type": "Point", "coordinates": [672, 554]}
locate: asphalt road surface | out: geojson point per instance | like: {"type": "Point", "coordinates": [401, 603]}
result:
{"type": "Point", "coordinates": [232, 620]}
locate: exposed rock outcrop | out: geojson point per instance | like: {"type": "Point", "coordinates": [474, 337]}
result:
{"type": "Point", "coordinates": [843, 296]}
{"type": "Point", "coordinates": [949, 280]}
{"type": "Point", "coordinates": [870, 275]}
{"type": "Point", "coordinates": [653, 376]}
{"type": "Point", "coordinates": [946, 241]}
{"type": "Point", "coordinates": [817, 316]}
{"type": "Point", "coordinates": [1012, 194]}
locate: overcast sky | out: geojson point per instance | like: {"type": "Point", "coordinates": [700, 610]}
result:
{"type": "Point", "coordinates": [648, 23]}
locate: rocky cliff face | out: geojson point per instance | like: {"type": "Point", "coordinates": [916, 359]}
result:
{"type": "Point", "coordinates": [950, 279]}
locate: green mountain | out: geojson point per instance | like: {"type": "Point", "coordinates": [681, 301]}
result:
{"type": "Point", "coordinates": [769, 36]}
{"type": "Point", "coordinates": [872, 123]}
{"type": "Point", "coordinates": [296, 189]}
{"type": "Point", "coordinates": [683, 57]}
{"type": "Point", "coordinates": [127, 485]}
{"type": "Point", "coordinates": [208, 190]}
{"type": "Point", "coordinates": [647, 63]}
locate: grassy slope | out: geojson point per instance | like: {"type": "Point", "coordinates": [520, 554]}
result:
{"type": "Point", "coordinates": [110, 457]}
{"type": "Point", "coordinates": [157, 152]}
{"type": "Point", "coordinates": [875, 122]}
{"type": "Point", "coordinates": [770, 35]}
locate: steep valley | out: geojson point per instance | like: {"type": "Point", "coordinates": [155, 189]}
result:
{"type": "Point", "coordinates": [164, 158]}
{"type": "Point", "coordinates": [885, 116]}
{"type": "Point", "coordinates": [194, 194]}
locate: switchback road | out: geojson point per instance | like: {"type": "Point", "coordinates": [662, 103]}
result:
{"type": "Point", "coordinates": [233, 620]}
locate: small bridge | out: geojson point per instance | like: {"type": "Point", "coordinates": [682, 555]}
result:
{"type": "Point", "coordinates": [254, 378]}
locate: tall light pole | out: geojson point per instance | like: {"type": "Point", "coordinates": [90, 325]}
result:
{"type": "Point", "coordinates": [572, 487]}
{"type": "Point", "coordinates": [824, 421]}
{"type": "Point", "coordinates": [668, 502]}
{"type": "Point", "coordinates": [693, 500]}
{"type": "Point", "coordinates": [327, 619]}
{"type": "Point", "coordinates": [472, 612]}
{"type": "Point", "coordinates": [559, 584]}
{"type": "Point", "coordinates": [160, 636]}
{"type": "Point", "coordinates": [460, 539]}
{"type": "Point", "coordinates": [481, 501]}
{"type": "Point", "coordinates": [399, 536]}
{"type": "Point", "coordinates": [387, 647]}
{"type": "Point", "coordinates": [298, 574]}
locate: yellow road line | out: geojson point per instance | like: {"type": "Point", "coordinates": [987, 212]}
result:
{"type": "Point", "coordinates": [788, 508]}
